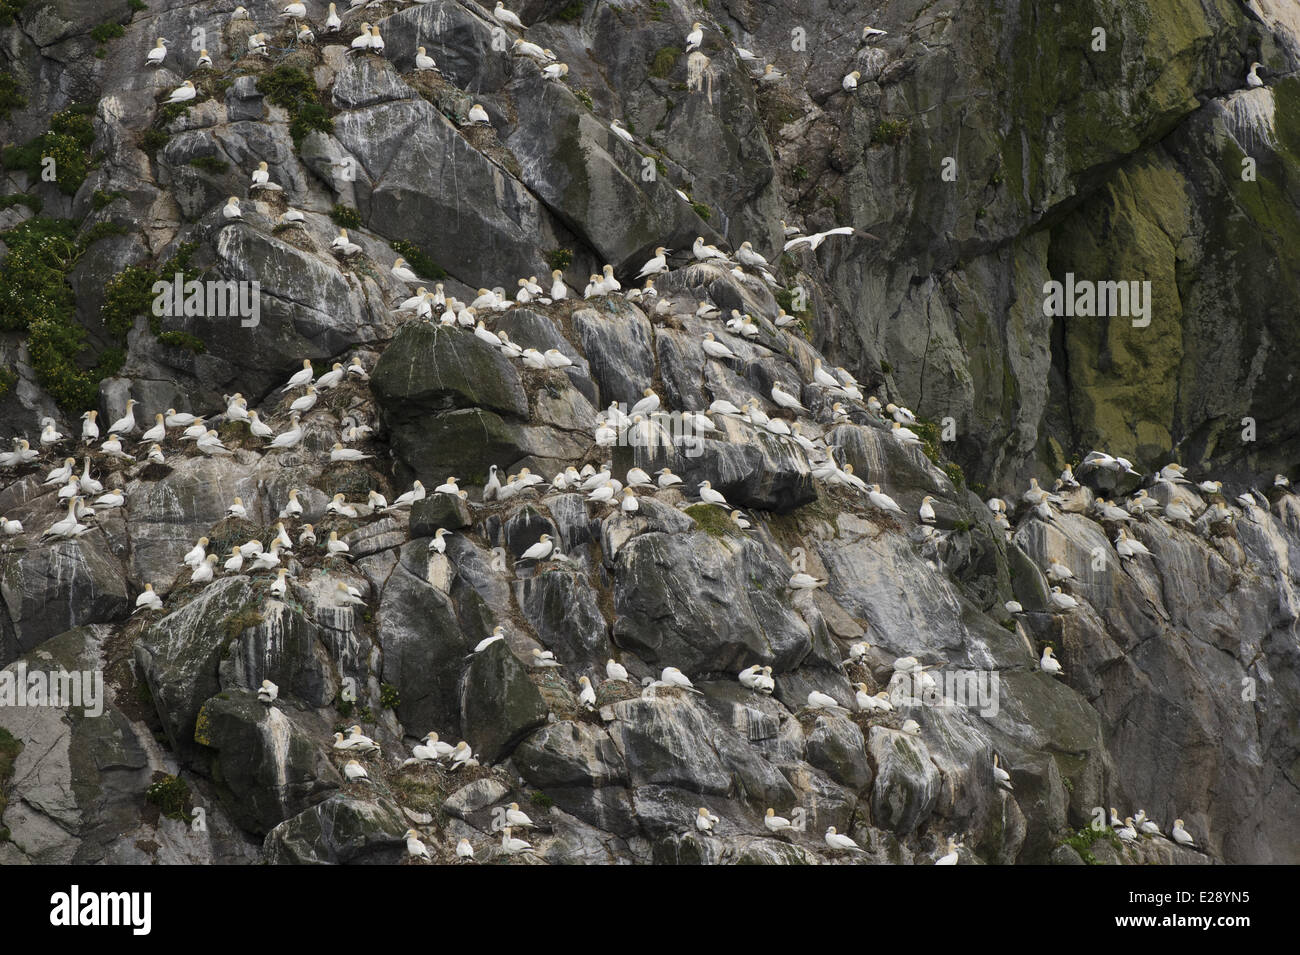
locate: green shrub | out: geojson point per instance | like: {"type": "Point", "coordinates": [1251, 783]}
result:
{"type": "Point", "coordinates": [345, 216]}
{"type": "Point", "coordinates": [572, 12]}
{"type": "Point", "coordinates": [171, 795]}
{"type": "Point", "coordinates": [389, 698]}
{"type": "Point", "coordinates": [559, 259]}
{"type": "Point", "coordinates": [417, 259]}
{"type": "Point", "coordinates": [295, 90]}
{"type": "Point", "coordinates": [183, 340]}
{"type": "Point", "coordinates": [101, 199]}
{"type": "Point", "coordinates": [661, 67]}
{"type": "Point", "coordinates": [101, 230]}
{"type": "Point", "coordinates": [891, 131]}
{"type": "Point", "coordinates": [22, 199]}
{"type": "Point", "coordinates": [210, 164]}
{"type": "Point", "coordinates": [11, 98]}
{"type": "Point", "coordinates": [107, 31]}
{"type": "Point", "coordinates": [702, 211]}
{"type": "Point", "coordinates": [127, 295]}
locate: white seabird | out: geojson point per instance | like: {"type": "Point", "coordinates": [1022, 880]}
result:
{"type": "Point", "coordinates": [837, 840]}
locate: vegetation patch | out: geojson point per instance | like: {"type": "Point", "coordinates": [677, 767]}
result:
{"type": "Point", "coordinates": [67, 143]}
{"type": "Point", "coordinates": [210, 164]}
{"type": "Point", "coordinates": [345, 216]}
{"type": "Point", "coordinates": [559, 259]}
{"type": "Point", "coordinates": [11, 98]}
{"type": "Point", "coordinates": [572, 12]}
{"type": "Point", "coordinates": [891, 132]}
{"type": "Point", "coordinates": [417, 259]}
{"type": "Point", "coordinates": [295, 90]}
{"type": "Point", "coordinates": [9, 750]}
{"type": "Point", "coordinates": [21, 199]}
{"type": "Point", "coordinates": [172, 796]}
{"type": "Point", "coordinates": [661, 67]}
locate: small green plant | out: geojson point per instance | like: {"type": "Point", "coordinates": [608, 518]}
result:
{"type": "Point", "coordinates": [886, 367]}
{"type": "Point", "coordinates": [584, 97]}
{"type": "Point", "coordinates": [100, 199]}
{"type": "Point", "coordinates": [389, 698]}
{"type": "Point", "coordinates": [295, 90]}
{"type": "Point", "coordinates": [541, 800]}
{"type": "Point", "coordinates": [891, 131]}
{"type": "Point", "coordinates": [22, 199]}
{"type": "Point", "coordinates": [107, 31]}
{"type": "Point", "coordinates": [955, 473]}
{"type": "Point", "coordinates": [11, 98]}
{"type": "Point", "coordinates": [7, 380]}
{"type": "Point", "coordinates": [9, 10]}
{"type": "Point", "coordinates": [101, 230]}
{"type": "Point", "coordinates": [137, 5]}
{"type": "Point", "coordinates": [127, 295]}
{"type": "Point", "coordinates": [152, 140]}
{"type": "Point", "coordinates": [559, 259]}
{"type": "Point", "coordinates": [345, 216]}
{"type": "Point", "coordinates": [171, 795]}
{"type": "Point", "coordinates": [702, 211]}
{"type": "Point", "coordinates": [665, 58]}
{"type": "Point", "coordinates": [210, 164]}
{"type": "Point", "coordinates": [183, 340]}
{"type": "Point", "coordinates": [572, 12]}
{"type": "Point", "coordinates": [799, 173]}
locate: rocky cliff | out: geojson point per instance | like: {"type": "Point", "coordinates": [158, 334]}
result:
{"type": "Point", "coordinates": [987, 149]}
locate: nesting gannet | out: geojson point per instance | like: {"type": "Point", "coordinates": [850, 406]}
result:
{"type": "Point", "coordinates": [705, 820]}
{"type": "Point", "coordinates": [836, 840]}
{"type": "Point", "coordinates": [695, 37]}
{"type": "Point", "coordinates": [1181, 835]}
{"type": "Point", "coordinates": [414, 847]}
{"type": "Point", "coordinates": [1128, 548]}
{"type": "Point", "coordinates": [464, 850]}
{"type": "Point", "coordinates": [1252, 78]}
{"type": "Point", "coordinates": [540, 550]}
{"type": "Point", "coordinates": [785, 399]}
{"type": "Point", "coordinates": [1146, 825]}
{"type": "Point", "coordinates": [126, 423]}
{"type": "Point", "coordinates": [204, 572]}
{"type": "Point", "coordinates": [704, 252]}
{"type": "Point", "coordinates": [156, 55]}
{"type": "Point", "coordinates": [850, 82]}
{"type": "Point", "coordinates": [477, 114]}
{"type": "Point", "coordinates": [1061, 601]}
{"type": "Point", "coordinates": [1127, 832]}
{"type": "Point", "coordinates": [183, 93]}
{"type": "Point", "coordinates": [822, 701]}
{"type": "Point", "coordinates": [332, 22]}
{"type": "Point", "coordinates": [336, 546]}
{"type": "Point", "coordinates": [675, 677]}
{"type": "Point", "coordinates": [555, 71]}
{"type": "Point", "coordinates": [869, 33]}
{"type": "Point", "coordinates": [506, 17]}
{"type": "Point", "coordinates": [512, 846]}
{"type": "Point", "coordinates": [355, 772]}
{"type": "Point", "coordinates": [1049, 664]}
{"type": "Point", "coordinates": [267, 692]}
{"type": "Point", "coordinates": [882, 501]}
{"type": "Point", "coordinates": [775, 823]}
{"type": "Point", "coordinates": [204, 61]}
{"type": "Point", "coordinates": [771, 74]}
{"type": "Point", "coordinates": [423, 61]}
{"type": "Point", "coordinates": [148, 600]}
{"type": "Point", "coordinates": [1057, 571]}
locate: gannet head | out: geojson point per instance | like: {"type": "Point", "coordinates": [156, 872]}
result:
{"type": "Point", "coordinates": [1178, 823]}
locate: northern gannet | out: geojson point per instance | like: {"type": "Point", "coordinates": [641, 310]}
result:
{"type": "Point", "coordinates": [340, 453]}
{"type": "Point", "coordinates": [555, 71]}
{"type": "Point", "coordinates": [705, 820]}
{"type": "Point", "coordinates": [695, 37]}
{"type": "Point", "coordinates": [1127, 832]}
{"type": "Point", "coordinates": [267, 692]}
{"type": "Point", "coordinates": [622, 133]}
{"type": "Point", "coordinates": [816, 239]}
{"type": "Point", "coordinates": [709, 496]}
{"type": "Point", "coordinates": [950, 858]}
{"type": "Point", "coordinates": [704, 252]}
{"type": "Point", "coordinates": [1057, 571]}
{"type": "Point", "coordinates": [802, 581]}
{"type": "Point", "coordinates": [1049, 664]}
{"type": "Point", "coordinates": [1181, 836]}
{"type": "Point", "coordinates": [771, 74]}
{"type": "Point", "coordinates": [1000, 775]}
{"type": "Point", "coordinates": [587, 696]}
{"type": "Point", "coordinates": [414, 847]}
{"type": "Point", "coordinates": [331, 378]}
{"type": "Point", "coordinates": [785, 399]}
{"type": "Point", "coordinates": [464, 850]}
{"type": "Point", "coordinates": [1252, 78]}
{"type": "Point", "coordinates": [882, 501]}
{"type": "Point", "coordinates": [822, 701]}
{"type": "Point", "coordinates": [675, 677]}
{"type": "Point", "coordinates": [204, 61]}
{"type": "Point", "coordinates": [775, 823]}
{"type": "Point", "coordinates": [156, 55]}
{"type": "Point", "coordinates": [1127, 547]}
{"type": "Point", "coordinates": [512, 846]}
{"type": "Point", "coordinates": [126, 423]}
{"type": "Point", "coordinates": [850, 82]}
{"type": "Point", "coordinates": [477, 114]}
{"type": "Point", "coordinates": [182, 94]}
{"type": "Point", "coordinates": [305, 402]}
{"type": "Point", "coordinates": [336, 546]}
{"type": "Point", "coordinates": [714, 348]}
{"type": "Point", "coordinates": [544, 659]}
{"type": "Point", "coordinates": [148, 600]}
{"type": "Point", "coordinates": [838, 841]}
{"type": "Point", "coordinates": [355, 772]}
{"type": "Point", "coordinates": [504, 16]}
{"type": "Point", "coordinates": [615, 671]}
{"type": "Point", "coordinates": [290, 438]}
{"type": "Point", "coordinates": [203, 573]}
{"type": "Point", "coordinates": [540, 550]}
{"type": "Point", "coordinates": [1061, 601]}
{"type": "Point", "coordinates": [423, 61]}
{"type": "Point", "coordinates": [402, 273]}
